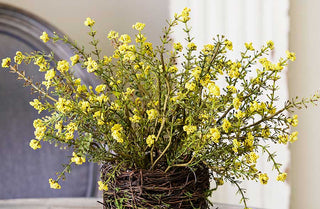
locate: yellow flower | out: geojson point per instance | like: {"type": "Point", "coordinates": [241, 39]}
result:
{"type": "Point", "coordinates": [215, 134]}
{"type": "Point", "coordinates": [226, 125]}
{"type": "Point", "coordinates": [102, 186]}
{"type": "Point", "coordinates": [177, 46]}
{"type": "Point", "coordinates": [6, 62]}
{"type": "Point", "coordinates": [173, 69]}
{"type": "Point", "coordinates": [63, 66]}
{"type": "Point", "coordinates": [19, 57]}
{"type": "Point", "coordinates": [270, 44]}
{"type": "Point", "coordinates": [139, 26]}
{"type": "Point", "coordinates": [125, 38]}
{"type": "Point", "coordinates": [249, 140]}
{"type": "Point", "coordinates": [185, 15]}
{"type": "Point", "coordinates": [77, 159]}
{"type": "Point", "coordinates": [100, 88]}
{"type": "Point", "coordinates": [91, 65]}
{"type": "Point", "coordinates": [112, 35]}
{"type": "Point", "coordinates": [232, 89]}
{"type": "Point", "coordinates": [58, 126]}
{"type": "Point", "coordinates": [249, 46]}
{"type": "Point", "coordinates": [263, 178]}
{"type": "Point", "coordinates": [191, 46]}
{"type": "Point", "coordinates": [89, 22]}
{"type": "Point", "coordinates": [35, 144]}
{"type": "Point", "coordinates": [282, 177]}
{"type": "Point", "coordinates": [54, 184]}
{"type": "Point", "coordinates": [63, 105]}
{"type": "Point", "coordinates": [236, 145]}
{"type": "Point", "coordinates": [116, 133]}
{"type": "Point", "coordinates": [283, 139]}
{"type": "Point", "coordinates": [44, 37]}
{"type": "Point", "coordinates": [291, 55]}
{"type": "Point", "coordinates": [135, 119]}
{"type": "Point", "coordinates": [190, 86]}
{"type": "Point", "coordinates": [293, 121]}
{"type": "Point", "coordinates": [74, 59]}
{"type": "Point", "coordinates": [214, 89]}
{"type": "Point", "coordinates": [50, 74]}
{"type": "Point", "coordinates": [152, 114]}
{"type": "Point", "coordinates": [107, 60]}
{"type": "Point", "coordinates": [196, 72]}
{"type": "Point", "coordinates": [240, 114]}
{"type": "Point", "coordinates": [293, 137]}
{"type": "Point", "coordinates": [150, 140]}
{"type": "Point", "coordinates": [36, 104]}
{"type": "Point", "coordinates": [228, 44]}
{"type": "Point", "coordinates": [253, 157]}
{"type": "Point", "coordinates": [189, 129]}
{"type": "Point", "coordinates": [236, 103]}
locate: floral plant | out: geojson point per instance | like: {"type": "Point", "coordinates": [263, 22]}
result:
{"type": "Point", "coordinates": [149, 112]}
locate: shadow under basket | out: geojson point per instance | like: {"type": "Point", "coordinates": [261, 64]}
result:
{"type": "Point", "coordinates": [179, 187]}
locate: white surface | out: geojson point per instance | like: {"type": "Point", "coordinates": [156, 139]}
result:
{"type": "Point", "coordinates": [51, 203]}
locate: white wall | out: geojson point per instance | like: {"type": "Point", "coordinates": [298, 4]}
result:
{"type": "Point", "coordinates": [304, 76]}
{"type": "Point", "coordinates": [120, 15]}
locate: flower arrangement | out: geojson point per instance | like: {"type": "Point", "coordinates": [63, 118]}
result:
{"type": "Point", "coordinates": [149, 112]}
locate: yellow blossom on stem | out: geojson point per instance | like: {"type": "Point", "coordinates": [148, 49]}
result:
{"type": "Point", "coordinates": [89, 22]}
{"type": "Point", "coordinates": [150, 140]}
{"type": "Point", "coordinates": [189, 129]}
{"type": "Point", "coordinates": [100, 88]}
{"type": "Point", "coordinates": [178, 46]}
{"type": "Point", "coordinates": [139, 26]}
{"type": "Point", "coordinates": [6, 62]}
{"type": "Point", "coordinates": [214, 89]}
{"type": "Point", "coordinates": [36, 104]}
{"type": "Point", "coordinates": [192, 46]}
{"type": "Point", "coordinates": [74, 59]}
{"type": "Point", "coordinates": [91, 65]}
{"type": "Point", "coordinates": [102, 186]}
{"type": "Point", "coordinates": [249, 46]}
{"type": "Point", "coordinates": [19, 57]}
{"type": "Point", "coordinates": [77, 159]}
{"type": "Point", "coordinates": [116, 133]}
{"type": "Point", "coordinates": [190, 86]}
{"type": "Point", "coordinates": [50, 74]}
{"type": "Point", "coordinates": [291, 55]}
{"type": "Point", "coordinates": [63, 66]}
{"type": "Point", "coordinates": [125, 38]}
{"type": "Point", "coordinates": [54, 184]}
{"type": "Point", "coordinates": [270, 44]}
{"type": "Point", "coordinates": [35, 144]}
{"type": "Point", "coordinates": [228, 44]}
{"type": "Point", "coordinates": [236, 145]}
{"type": "Point", "coordinates": [293, 137]}
{"type": "Point", "coordinates": [282, 177]}
{"type": "Point", "coordinates": [215, 134]}
{"type": "Point", "coordinates": [236, 103]}
{"type": "Point", "coordinates": [226, 125]}
{"type": "Point", "coordinates": [113, 35]}
{"type": "Point", "coordinates": [152, 114]}
{"type": "Point", "coordinates": [44, 37]}
{"type": "Point", "coordinates": [263, 178]}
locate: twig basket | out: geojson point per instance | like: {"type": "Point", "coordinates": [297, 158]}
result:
{"type": "Point", "coordinates": [177, 188]}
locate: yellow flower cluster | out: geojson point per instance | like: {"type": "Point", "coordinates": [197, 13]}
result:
{"type": "Point", "coordinates": [35, 144]}
{"type": "Point", "coordinates": [150, 140]}
{"type": "Point", "coordinates": [103, 186]}
{"type": "Point", "coordinates": [54, 184]}
{"type": "Point", "coordinates": [77, 159]}
{"type": "Point", "coordinates": [44, 37]}
{"type": "Point", "coordinates": [263, 178]}
{"type": "Point", "coordinates": [189, 129]}
{"type": "Point", "coordinates": [116, 131]}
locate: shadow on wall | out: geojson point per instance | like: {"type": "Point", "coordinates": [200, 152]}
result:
{"type": "Point", "coordinates": [24, 173]}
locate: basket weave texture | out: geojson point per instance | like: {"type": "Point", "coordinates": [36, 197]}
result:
{"type": "Point", "coordinates": [178, 188]}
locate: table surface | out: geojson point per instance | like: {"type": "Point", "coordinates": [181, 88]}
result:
{"type": "Point", "coordinates": [70, 203]}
